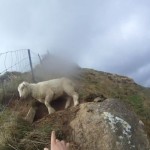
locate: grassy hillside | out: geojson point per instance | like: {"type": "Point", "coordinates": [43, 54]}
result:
{"type": "Point", "coordinates": [89, 82]}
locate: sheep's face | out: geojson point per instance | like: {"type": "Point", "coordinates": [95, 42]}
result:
{"type": "Point", "coordinates": [24, 90]}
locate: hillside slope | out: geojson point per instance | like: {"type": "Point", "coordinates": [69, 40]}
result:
{"type": "Point", "coordinates": [90, 84]}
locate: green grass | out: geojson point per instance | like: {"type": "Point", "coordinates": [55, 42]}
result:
{"type": "Point", "coordinates": [8, 89]}
{"type": "Point", "coordinates": [141, 110]}
{"type": "Point", "coordinates": [136, 100]}
{"type": "Point", "coordinates": [39, 137]}
{"type": "Point", "coordinates": [12, 130]}
{"type": "Point", "coordinates": [91, 82]}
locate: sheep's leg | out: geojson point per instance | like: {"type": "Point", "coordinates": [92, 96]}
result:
{"type": "Point", "coordinates": [48, 99]}
{"type": "Point", "coordinates": [31, 114]}
{"type": "Point", "coordinates": [68, 102]}
{"type": "Point", "coordinates": [32, 111]}
{"type": "Point", "coordinates": [75, 98]}
{"type": "Point", "coordinates": [71, 92]}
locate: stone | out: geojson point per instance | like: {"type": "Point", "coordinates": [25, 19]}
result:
{"type": "Point", "coordinates": [109, 125]}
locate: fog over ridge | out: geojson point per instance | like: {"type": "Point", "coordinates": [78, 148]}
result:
{"type": "Point", "coordinates": [111, 36]}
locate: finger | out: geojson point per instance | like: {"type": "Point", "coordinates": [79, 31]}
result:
{"type": "Point", "coordinates": [63, 142]}
{"type": "Point", "coordinates": [46, 149]}
{"type": "Point", "coordinates": [67, 146]}
{"type": "Point", "coordinates": [53, 137]}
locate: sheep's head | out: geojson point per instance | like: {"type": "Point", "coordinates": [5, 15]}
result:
{"type": "Point", "coordinates": [24, 90]}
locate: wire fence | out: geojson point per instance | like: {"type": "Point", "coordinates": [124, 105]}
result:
{"type": "Point", "coordinates": [17, 60]}
{"type": "Point", "coordinates": [14, 68]}
{"type": "Point", "coordinates": [13, 64]}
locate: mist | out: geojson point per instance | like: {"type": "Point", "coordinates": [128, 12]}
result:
{"type": "Point", "coordinates": [110, 36]}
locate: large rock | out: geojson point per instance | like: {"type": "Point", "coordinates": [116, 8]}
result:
{"type": "Point", "coordinates": [109, 125]}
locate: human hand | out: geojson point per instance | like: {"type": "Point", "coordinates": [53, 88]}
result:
{"type": "Point", "coordinates": [56, 144]}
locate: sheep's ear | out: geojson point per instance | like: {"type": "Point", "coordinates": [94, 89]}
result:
{"type": "Point", "coordinates": [24, 84]}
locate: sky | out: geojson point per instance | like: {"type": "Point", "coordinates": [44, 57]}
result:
{"type": "Point", "coordinates": [106, 35]}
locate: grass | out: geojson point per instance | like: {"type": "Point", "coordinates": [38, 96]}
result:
{"type": "Point", "coordinates": [18, 134]}
{"type": "Point", "coordinates": [38, 138]}
{"type": "Point", "coordinates": [137, 103]}
{"type": "Point", "coordinates": [15, 131]}
{"type": "Point", "coordinates": [8, 87]}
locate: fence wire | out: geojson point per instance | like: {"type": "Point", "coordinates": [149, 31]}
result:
{"type": "Point", "coordinates": [13, 64]}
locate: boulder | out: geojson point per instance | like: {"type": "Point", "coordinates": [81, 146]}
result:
{"type": "Point", "coordinates": [109, 125]}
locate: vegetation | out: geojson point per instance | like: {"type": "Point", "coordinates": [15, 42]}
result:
{"type": "Point", "coordinates": [17, 134]}
{"type": "Point", "coordinates": [13, 128]}
{"type": "Point", "coordinates": [9, 83]}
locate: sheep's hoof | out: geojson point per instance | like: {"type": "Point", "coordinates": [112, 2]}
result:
{"type": "Point", "coordinates": [51, 111]}
{"type": "Point", "coordinates": [76, 104]}
{"type": "Point", "coordinates": [30, 120]}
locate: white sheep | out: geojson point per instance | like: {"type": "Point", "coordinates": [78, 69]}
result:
{"type": "Point", "coordinates": [47, 91]}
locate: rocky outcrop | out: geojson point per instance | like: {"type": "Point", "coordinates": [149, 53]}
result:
{"type": "Point", "coordinates": [108, 126]}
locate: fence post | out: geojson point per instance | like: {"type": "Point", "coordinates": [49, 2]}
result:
{"type": "Point", "coordinates": [33, 78]}
{"type": "Point", "coordinates": [3, 97]}
{"type": "Point", "coordinates": [40, 59]}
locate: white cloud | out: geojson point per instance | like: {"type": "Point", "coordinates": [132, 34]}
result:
{"type": "Point", "coordinates": [106, 35]}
